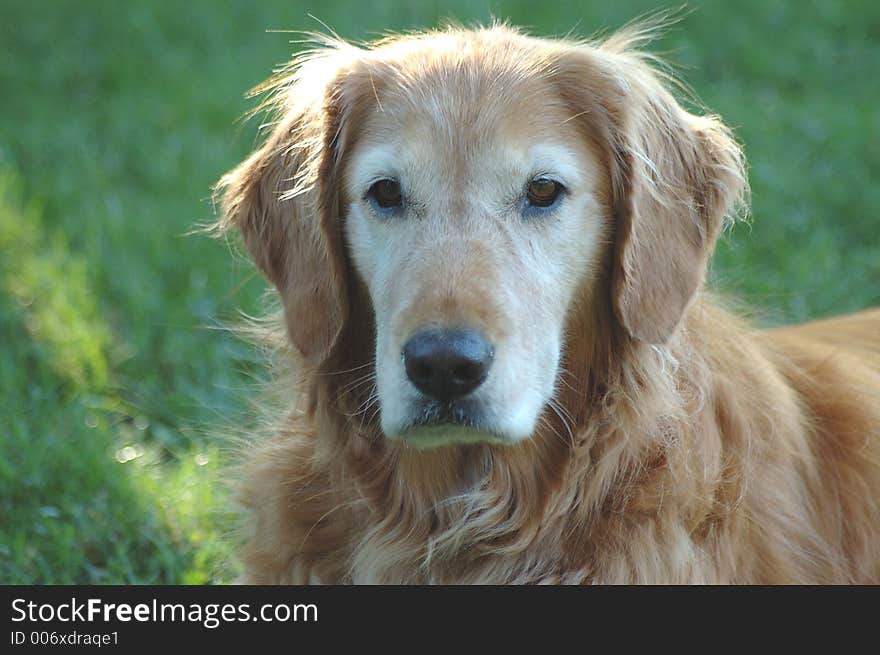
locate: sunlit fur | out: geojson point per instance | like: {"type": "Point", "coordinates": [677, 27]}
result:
{"type": "Point", "coordinates": [679, 445]}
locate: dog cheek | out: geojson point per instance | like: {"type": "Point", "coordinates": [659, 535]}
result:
{"type": "Point", "coordinates": [387, 387]}
{"type": "Point", "coordinates": [360, 245]}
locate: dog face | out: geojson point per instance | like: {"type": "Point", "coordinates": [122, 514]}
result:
{"type": "Point", "coordinates": [480, 184]}
{"type": "Point", "coordinates": [472, 220]}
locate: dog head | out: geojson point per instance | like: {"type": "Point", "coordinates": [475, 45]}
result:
{"type": "Point", "coordinates": [481, 186]}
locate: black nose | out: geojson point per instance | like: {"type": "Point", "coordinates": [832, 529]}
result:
{"type": "Point", "coordinates": [447, 364]}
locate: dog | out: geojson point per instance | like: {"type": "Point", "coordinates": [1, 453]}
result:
{"type": "Point", "coordinates": [490, 252]}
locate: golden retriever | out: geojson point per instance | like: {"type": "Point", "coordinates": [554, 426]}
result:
{"type": "Point", "coordinates": [490, 252]}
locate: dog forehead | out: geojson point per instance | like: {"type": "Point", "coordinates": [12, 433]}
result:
{"type": "Point", "coordinates": [459, 83]}
{"type": "Point", "coordinates": [458, 125]}
{"type": "Point", "coordinates": [462, 107]}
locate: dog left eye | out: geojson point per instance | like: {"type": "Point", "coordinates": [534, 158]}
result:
{"type": "Point", "coordinates": [543, 192]}
{"type": "Point", "coordinates": [386, 194]}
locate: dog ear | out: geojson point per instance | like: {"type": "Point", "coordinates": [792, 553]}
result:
{"type": "Point", "coordinates": [284, 199]}
{"type": "Point", "coordinates": [678, 176]}
{"type": "Point", "coordinates": [673, 178]}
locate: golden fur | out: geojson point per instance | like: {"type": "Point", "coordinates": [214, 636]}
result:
{"type": "Point", "coordinates": [682, 445]}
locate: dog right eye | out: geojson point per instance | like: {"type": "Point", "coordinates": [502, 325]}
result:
{"type": "Point", "coordinates": [543, 192]}
{"type": "Point", "coordinates": [386, 194]}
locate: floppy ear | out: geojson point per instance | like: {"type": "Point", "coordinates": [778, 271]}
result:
{"type": "Point", "coordinates": [284, 200]}
{"type": "Point", "coordinates": [673, 178]}
{"type": "Point", "coordinates": [678, 175]}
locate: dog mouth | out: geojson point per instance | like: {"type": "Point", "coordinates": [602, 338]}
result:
{"type": "Point", "coordinates": [463, 412]}
{"type": "Point", "coordinates": [437, 435]}
{"type": "Point", "coordinates": [446, 423]}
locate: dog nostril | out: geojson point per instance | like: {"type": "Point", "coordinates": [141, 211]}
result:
{"type": "Point", "coordinates": [447, 364]}
{"type": "Point", "coordinates": [468, 371]}
{"type": "Point", "coordinates": [421, 370]}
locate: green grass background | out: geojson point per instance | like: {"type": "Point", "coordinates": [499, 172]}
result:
{"type": "Point", "coordinates": [117, 390]}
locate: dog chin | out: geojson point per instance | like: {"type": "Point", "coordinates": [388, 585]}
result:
{"type": "Point", "coordinates": [429, 437]}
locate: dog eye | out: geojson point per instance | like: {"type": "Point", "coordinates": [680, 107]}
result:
{"type": "Point", "coordinates": [386, 194]}
{"type": "Point", "coordinates": [543, 192]}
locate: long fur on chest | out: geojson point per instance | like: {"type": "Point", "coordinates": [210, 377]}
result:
{"type": "Point", "coordinates": [700, 462]}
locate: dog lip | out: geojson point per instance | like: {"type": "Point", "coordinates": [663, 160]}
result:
{"type": "Point", "coordinates": [427, 436]}
{"type": "Point", "coordinates": [441, 423]}
{"type": "Point", "coordinates": [461, 413]}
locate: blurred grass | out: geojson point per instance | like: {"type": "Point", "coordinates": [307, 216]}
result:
{"type": "Point", "coordinates": [117, 117]}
